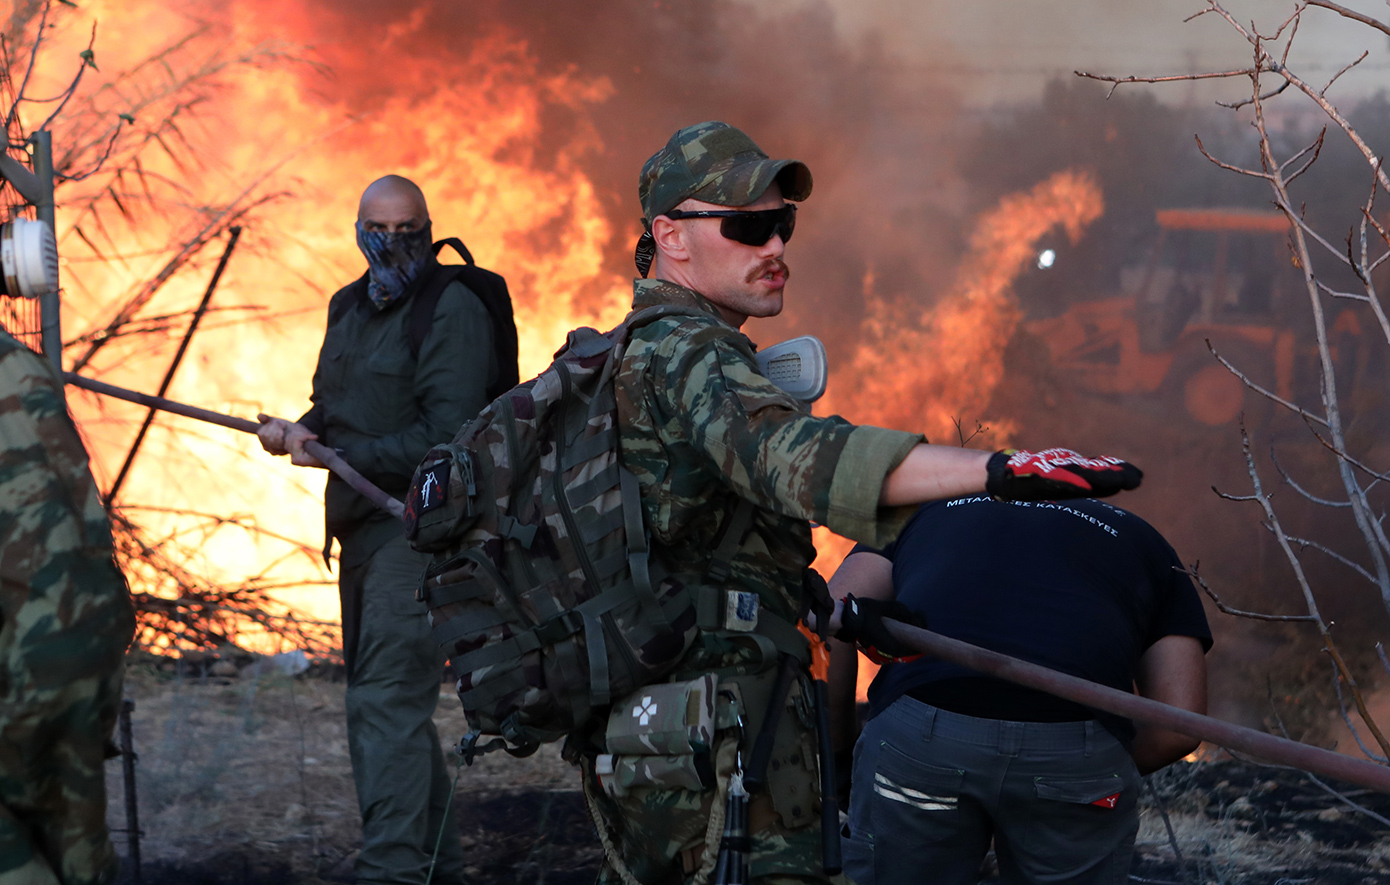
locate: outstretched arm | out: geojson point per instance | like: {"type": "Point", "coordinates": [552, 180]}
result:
{"type": "Point", "coordinates": [1173, 671]}
{"type": "Point", "coordinates": [930, 473]}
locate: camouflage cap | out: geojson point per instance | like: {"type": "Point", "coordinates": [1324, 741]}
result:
{"type": "Point", "coordinates": [716, 163]}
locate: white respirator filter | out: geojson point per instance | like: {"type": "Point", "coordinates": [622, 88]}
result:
{"type": "Point", "coordinates": [798, 366]}
{"type": "Point", "coordinates": [28, 258]}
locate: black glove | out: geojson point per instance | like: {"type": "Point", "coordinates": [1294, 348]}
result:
{"type": "Point", "coordinates": [861, 622]}
{"type": "Point", "coordinates": [1055, 474]}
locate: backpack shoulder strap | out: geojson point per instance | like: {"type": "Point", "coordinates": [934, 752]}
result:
{"type": "Point", "coordinates": [423, 305]}
{"type": "Point", "coordinates": [491, 289]}
{"type": "Point", "coordinates": [457, 245]}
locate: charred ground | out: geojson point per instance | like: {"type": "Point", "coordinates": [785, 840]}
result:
{"type": "Point", "coordinates": [245, 779]}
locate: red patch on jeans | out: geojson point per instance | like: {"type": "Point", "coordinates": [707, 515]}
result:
{"type": "Point", "coordinates": [1109, 801]}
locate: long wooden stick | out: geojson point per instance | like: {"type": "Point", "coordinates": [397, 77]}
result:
{"type": "Point", "coordinates": [331, 459]}
{"type": "Point", "coordinates": [1132, 706]}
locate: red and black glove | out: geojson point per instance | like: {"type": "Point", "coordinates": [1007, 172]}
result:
{"type": "Point", "coordinates": [861, 622]}
{"type": "Point", "coordinates": [1054, 474]}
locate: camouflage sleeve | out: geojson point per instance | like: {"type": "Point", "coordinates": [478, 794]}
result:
{"type": "Point", "coordinates": [56, 569]}
{"type": "Point", "coordinates": [768, 447]}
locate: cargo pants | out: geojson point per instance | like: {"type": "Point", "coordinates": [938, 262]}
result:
{"type": "Point", "coordinates": [403, 781]}
{"type": "Point", "coordinates": [60, 689]}
{"type": "Point", "coordinates": [931, 788]}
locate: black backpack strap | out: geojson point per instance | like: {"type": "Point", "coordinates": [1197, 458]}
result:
{"type": "Point", "coordinates": [491, 290]}
{"type": "Point", "coordinates": [730, 539]}
{"type": "Point", "coordinates": [457, 245]}
{"type": "Point", "coordinates": [427, 298]}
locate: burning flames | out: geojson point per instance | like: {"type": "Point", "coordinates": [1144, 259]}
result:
{"type": "Point", "coordinates": [536, 220]}
{"type": "Point", "coordinates": [925, 369]}
{"type": "Point", "coordinates": [471, 129]}
{"type": "Point", "coordinates": [920, 369]}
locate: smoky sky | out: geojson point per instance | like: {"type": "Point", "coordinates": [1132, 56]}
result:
{"type": "Point", "coordinates": [900, 170]}
{"type": "Point", "coordinates": [873, 140]}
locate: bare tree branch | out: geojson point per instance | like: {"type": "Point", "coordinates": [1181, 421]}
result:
{"type": "Point", "coordinates": [1323, 548]}
{"type": "Point", "coordinates": [1237, 105]}
{"type": "Point", "coordinates": [1351, 14]}
{"type": "Point", "coordinates": [1346, 719]}
{"type": "Point", "coordinates": [1349, 66]}
{"type": "Point", "coordinates": [1262, 391]}
{"type": "Point", "coordinates": [1310, 600]}
{"type": "Point", "coordinates": [1298, 488]}
{"type": "Point", "coordinates": [1191, 571]}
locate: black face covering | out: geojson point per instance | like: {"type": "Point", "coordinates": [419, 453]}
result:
{"type": "Point", "coordinates": [395, 259]}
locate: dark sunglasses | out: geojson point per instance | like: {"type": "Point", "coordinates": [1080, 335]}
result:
{"type": "Point", "coordinates": [748, 228]}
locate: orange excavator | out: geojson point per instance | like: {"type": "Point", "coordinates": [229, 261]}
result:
{"type": "Point", "coordinates": [1218, 275]}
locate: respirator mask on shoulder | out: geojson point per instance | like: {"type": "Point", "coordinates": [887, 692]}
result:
{"type": "Point", "coordinates": [798, 366]}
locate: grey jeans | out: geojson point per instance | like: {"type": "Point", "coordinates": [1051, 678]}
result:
{"type": "Point", "coordinates": [401, 775]}
{"type": "Point", "coordinates": [932, 788]}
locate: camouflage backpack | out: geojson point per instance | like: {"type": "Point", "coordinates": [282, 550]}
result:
{"type": "Point", "coordinates": [543, 591]}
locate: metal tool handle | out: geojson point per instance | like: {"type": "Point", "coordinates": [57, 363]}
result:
{"type": "Point", "coordinates": [829, 801]}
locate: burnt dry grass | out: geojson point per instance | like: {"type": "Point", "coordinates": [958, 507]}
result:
{"type": "Point", "coordinates": [245, 779]}
{"type": "Point", "coordinates": [1240, 823]}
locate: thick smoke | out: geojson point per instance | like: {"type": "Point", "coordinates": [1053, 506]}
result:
{"type": "Point", "coordinates": [875, 142]}
{"type": "Point", "coordinates": [901, 175]}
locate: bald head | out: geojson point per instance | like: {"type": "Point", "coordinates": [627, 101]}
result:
{"type": "Point", "coordinates": [393, 203]}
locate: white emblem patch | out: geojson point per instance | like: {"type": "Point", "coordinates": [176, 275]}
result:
{"type": "Point", "coordinates": [644, 711]}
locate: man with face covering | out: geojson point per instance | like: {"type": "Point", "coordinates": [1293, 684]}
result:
{"type": "Point", "coordinates": [383, 406]}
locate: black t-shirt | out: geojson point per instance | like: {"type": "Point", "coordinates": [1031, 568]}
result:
{"type": "Point", "coordinates": [1078, 586]}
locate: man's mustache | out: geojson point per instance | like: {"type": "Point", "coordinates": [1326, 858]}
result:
{"type": "Point", "coordinates": [772, 264]}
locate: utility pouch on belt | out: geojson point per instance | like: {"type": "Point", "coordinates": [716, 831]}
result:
{"type": "Point", "coordinates": [661, 736]}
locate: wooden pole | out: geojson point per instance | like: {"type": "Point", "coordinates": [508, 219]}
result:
{"type": "Point", "coordinates": [1131, 706]}
{"type": "Point", "coordinates": [331, 459]}
{"type": "Point", "coordinates": [50, 321]}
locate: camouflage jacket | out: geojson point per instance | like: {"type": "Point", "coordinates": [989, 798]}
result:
{"type": "Point", "coordinates": [701, 428]}
{"type": "Point", "coordinates": [64, 608]}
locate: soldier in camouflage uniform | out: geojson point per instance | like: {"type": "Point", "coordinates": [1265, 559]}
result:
{"type": "Point", "coordinates": [65, 622]}
{"type": "Point", "coordinates": [702, 430]}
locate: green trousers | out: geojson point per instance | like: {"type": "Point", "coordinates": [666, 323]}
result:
{"type": "Point", "coordinates": [60, 689]}
{"type": "Point", "coordinates": [403, 781]}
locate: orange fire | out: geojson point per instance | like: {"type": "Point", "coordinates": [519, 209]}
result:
{"type": "Point", "coordinates": [268, 124]}
{"type": "Point", "coordinates": [922, 370]}
{"type": "Point", "coordinates": [919, 369]}
{"type": "Point", "coordinates": [538, 223]}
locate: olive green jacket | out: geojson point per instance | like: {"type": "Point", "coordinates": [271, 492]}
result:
{"type": "Point", "coordinates": [383, 409]}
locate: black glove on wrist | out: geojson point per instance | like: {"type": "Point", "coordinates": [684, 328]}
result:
{"type": "Point", "coordinates": [1056, 474]}
{"type": "Point", "coordinates": [861, 622]}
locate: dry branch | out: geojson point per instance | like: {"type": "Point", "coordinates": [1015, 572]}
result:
{"type": "Point", "coordinates": [1351, 14]}
{"type": "Point", "coordinates": [106, 137]}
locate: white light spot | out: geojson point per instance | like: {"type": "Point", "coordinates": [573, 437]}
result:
{"type": "Point", "coordinates": [1046, 258]}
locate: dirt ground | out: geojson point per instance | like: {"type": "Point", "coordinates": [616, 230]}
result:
{"type": "Point", "coordinates": [245, 779]}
